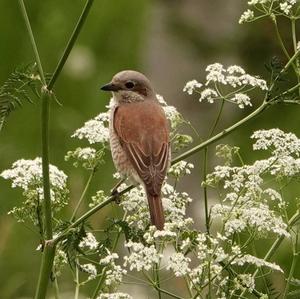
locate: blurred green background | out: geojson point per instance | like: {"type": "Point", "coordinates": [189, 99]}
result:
{"type": "Point", "coordinates": [171, 42]}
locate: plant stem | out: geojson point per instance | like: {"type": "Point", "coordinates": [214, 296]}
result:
{"type": "Point", "coordinates": [207, 218]}
{"type": "Point", "coordinates": [90, 213]}
{"type": "Point", "coordinates": [294, 219]}
{"type": "Point", "coordinates": [56, 294]}
{"type": "Point", "coordinates": [45, 163]}
{"type": "Point", "coordinates": [70, 43]}
{"type": "Point", "coordinates": [45, 270]}
{"type": "Point", "coordinates": [222, 134]}
{"type": "Point", "coordinates": [292, 269]}
{"type": "Point", "coordinates": [32, 41]}
{"type": "Point", "coordinates": [76, 296]}
{"type": "Point", "coordinates": [87, 185]}
{"type": "Point", "coordinates": [157, 282]}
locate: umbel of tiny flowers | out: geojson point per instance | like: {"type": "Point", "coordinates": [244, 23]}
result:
{"type": "Point", "coordinates": [247, 201]}
{"type": "Point", "coordinates": [231, 84]}
{"type": "Point", "coordinates": [261, 8]}
{"type": "Point", "coordinates": [27, 175]}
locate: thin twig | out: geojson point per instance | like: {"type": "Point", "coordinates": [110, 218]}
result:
{"type": "Point", "coordinates": [70, 44]}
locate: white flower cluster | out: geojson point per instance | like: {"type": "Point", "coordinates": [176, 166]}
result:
{"type": "Point", "coordinates": [95, 130]}
{"type": "Point", "coordinates": [135, 204]}
{"type": "Point", "coordinates": [171, 112]}
{"type": "Point", "coordinates": [114, 273]}
{"type": "Point", "coordinates": [89, 242]}
{"type": "Point", "coordinates": [114, 296]}
{"type": "Point", "coordinates": [88, 157]}
{"type": "Point", "coordinates": [191, 86]}
{"type": "Point", "coordinates": [180, 169]}
{"type": "Point", "coordinates": [141, 257]}
{"type": "Point", "coordinates": [179, 264]}
{"type": "Point", "coordinates": [247, 199]}
{"type": "Point", "coordinates": [90, 269]}
{"type": "Point", "coordinates": [27, 175]}
{"type": "Point", "coordinates": [267, 7]}
{"type": "Point", "coordinates": [234, 77]}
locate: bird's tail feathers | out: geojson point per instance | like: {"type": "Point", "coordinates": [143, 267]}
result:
{"type": "Point", "coordinates": [156, 211]}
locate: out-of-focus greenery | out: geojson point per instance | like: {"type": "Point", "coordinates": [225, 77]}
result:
{"type": "Point", "coordinates": [112, 39]}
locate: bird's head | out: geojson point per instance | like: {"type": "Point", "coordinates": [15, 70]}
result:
{"type": "Point", "coordinates": [130, 86]}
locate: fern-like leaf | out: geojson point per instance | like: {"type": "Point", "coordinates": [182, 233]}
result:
{"type": "Point", "coordinates": [19, 87]}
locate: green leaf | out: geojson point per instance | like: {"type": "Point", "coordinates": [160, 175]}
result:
{"type": "Point", "coordinates": [19, 87]}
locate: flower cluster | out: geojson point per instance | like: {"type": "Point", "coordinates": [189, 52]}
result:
{"type": "Point", "coordinates": [247, 200]}
{"type": "Point", "coordinates": [95, 130]}
{"type": "Point", "coordinates": [180, 169]}
{"type": "Point", "coordinates": [89, 242]}
{"type": "Point", "coordinates": [233, 77]}
{"type": "Point", "coordinates": [141, 257]}
{"type": "Point", "coordinates": [27, 175]}
{"type": "Point", "coordinates": [89, 269]}
{"type": "Point", "coordinates": [114, 273]}
{"type": "Point", "coordinates": [114, 296]}
{"type": "Point", "coordinates": [89, 157]}
{"type": "Point", "coordinates": [267, 7]}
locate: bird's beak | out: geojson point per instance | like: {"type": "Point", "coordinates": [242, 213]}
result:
{"type": "Point", "coordinates": [110, 87]}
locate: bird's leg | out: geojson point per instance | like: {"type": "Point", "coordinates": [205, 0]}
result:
{"type": "Point", "coordinates": [115, 192]}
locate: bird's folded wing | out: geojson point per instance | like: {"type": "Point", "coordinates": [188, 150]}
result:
{"type": "Point", "coordinates": [143, 132]}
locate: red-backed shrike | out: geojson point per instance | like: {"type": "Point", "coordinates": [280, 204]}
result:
{"type": "Point", "coordinates": [139, 137]}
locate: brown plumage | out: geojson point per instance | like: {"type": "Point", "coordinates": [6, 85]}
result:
{"type": "Point", "coordinates": [139, 137]}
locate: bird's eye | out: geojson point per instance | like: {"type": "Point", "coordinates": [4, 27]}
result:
{"type": "Point", "coordinates": [129, 84]}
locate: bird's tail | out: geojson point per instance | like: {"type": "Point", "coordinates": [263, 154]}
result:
{"type": "Point", "coordinates": [156, 211]}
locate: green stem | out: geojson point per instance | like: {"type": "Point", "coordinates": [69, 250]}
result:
{"type": "Point", "coordinates": [56, 294]}
{"type": "Point", "coordinates": [91, 212]}
{"type": "Point", "coordinates": [294, 36]}
{"type": "Point", "coordinates": [293, 267]}
{"type": "Point", "coordinates": [83, 194]}
{"type": "Point", "coordinates": [102, 279]}
{"type": "Point", "coordinates": [207, 218]}
{"type": "Point", "coordinates": [76, 296]}
{"type": "Point", "coordinates": [157, 281]}
{"type": "Point", "coordinates": [294, 219]}
{"type": "Point", "coordinates": [45, 164]}
{"type": "Point", "coordinates": [273, 17]}
{"type": "Point", "coordinates": [32, 41]}
{"type": "Point", "coordinates": [70, 43]}
{"type": "Point", "coordinates": [222, 134]}
{"type": "Point", "coordinates": [45, 270]}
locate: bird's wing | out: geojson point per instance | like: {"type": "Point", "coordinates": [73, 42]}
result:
{"type": "Point", "coordinates": [143, 132]}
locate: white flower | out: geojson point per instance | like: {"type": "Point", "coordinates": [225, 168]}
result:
{"type": "Point", "coordinates": [247, 16]}
{"type": "Point", "coordinates": [141, 257]}
{"type": "Point", "coordinates": [208, 94]}
{"type": "Point", "coordinates": [241, 100]}
{"type": "Point", "coordinates": [114, 273]}
{"type": "Point", "coordinates": [235, 69]}
{"type": "Point", "coordinates": [95, 130]}
{"type": "Point", "coordinates": [90, 269]}
{"type": "Point", "coordinates": [181, 168]}
{"type": "Point", "coordinates": [114, 296]}
{"type": "Point", "coordinates": [26, 173]}
{"type": "Point", "coordinates": [250, 259]}
{"type": "Point", "coordinates": [89, 241]}
{"type": "Point", "coordinates": [179, 264]}
{"type": "Point", "coordinates": [171, 112]}
{"type": "Point", "coordinates": [191, 86]}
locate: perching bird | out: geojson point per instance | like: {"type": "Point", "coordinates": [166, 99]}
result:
{"type": "Point", "coordinates": [139, 137]}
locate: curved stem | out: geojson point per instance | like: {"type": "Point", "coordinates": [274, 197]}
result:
{"type": "Point", "coordinates": [70, 44]}
{"type": "Point", "coordinates": [87, 185]}
{"type": "Point", "coordinates": [221, 135]}
{"type": "Point", "coordinates": [32, 41]}
{"type": "Point", "coordinates": [207, 218]}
